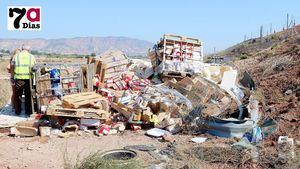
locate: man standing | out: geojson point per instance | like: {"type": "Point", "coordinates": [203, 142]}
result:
{"type": "Point", "coordinates": [23, 63]}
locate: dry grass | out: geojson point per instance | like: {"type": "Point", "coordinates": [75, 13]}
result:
{"type": "Point", "coordinates": [95, 161]}
{"type": "Point", "coordinates": [232, 157]}
{"type": "Point", "coordinates": [238, 158]}
{"type": "Point", "coordinates": [259, 95]}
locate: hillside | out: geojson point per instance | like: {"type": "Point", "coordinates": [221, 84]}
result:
{"type": "Point", "coordinates": [253, 46]}
{"type": "Point", "coordinates": [274, 66]}
{"type": "Point", "coordinates": [81, 45]}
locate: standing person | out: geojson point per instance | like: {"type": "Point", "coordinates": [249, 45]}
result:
{"type": "Point", "coordinates": [10, 70]}
{"type": "Point", "coordinates": [23, 63]}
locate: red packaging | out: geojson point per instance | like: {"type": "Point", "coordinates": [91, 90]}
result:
{"type": "Point", "coordinates": [104, 130]}
{"type": "Point", "coordinates": [135, 127]}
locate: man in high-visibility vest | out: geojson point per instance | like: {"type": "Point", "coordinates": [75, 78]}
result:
{"type": "Point", "coordinates": [23, 63]}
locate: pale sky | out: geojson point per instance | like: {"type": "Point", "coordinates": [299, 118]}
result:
{"type": "Point", "coordinates": [218, 23]}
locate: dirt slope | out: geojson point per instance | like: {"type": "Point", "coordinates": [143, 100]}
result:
{"type": "Point", "coordinates": [275, 67]}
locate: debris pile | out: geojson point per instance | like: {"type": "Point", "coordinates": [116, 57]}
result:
{"type": "Point", "coordinates": [175, 92]}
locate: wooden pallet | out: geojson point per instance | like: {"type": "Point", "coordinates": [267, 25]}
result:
{"type": "Point", "coordinates": [81, 99]}
{"type": "Point", "coordinates": [78, 113]}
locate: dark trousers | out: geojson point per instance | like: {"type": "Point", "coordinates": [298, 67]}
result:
{"type": "Point", "coordinates": [22, 85]}
{"type": "Point", "coordinates": [13, 96]}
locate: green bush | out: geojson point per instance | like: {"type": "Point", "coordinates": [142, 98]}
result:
{"type": "Point", "coordinates": [243, 57]}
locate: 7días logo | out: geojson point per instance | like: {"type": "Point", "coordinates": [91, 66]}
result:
{"type": "Point", "coordinates": [24, 18]}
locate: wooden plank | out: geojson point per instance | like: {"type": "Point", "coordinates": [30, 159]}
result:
{"type": "Point", "coordinates": [81, 99]}
{"type": "Point", "coordinates": [79, 94]}
{"type": "Point", "coordinates": [113, 60]}
{"type": "Point", "coordinates": [116, 69]}
{"type": "Point", "coordinates": [117, 63]}
{"type": "Point", "coordinates": [90, 76]}
{"type": "Point", "coordinates": [49, 79]}
{"type": "Point", "coordinates": [110, 56]}
{"type": "Point", "coordinates": [178, 87]}
{"type": "Point", "coordinates": [122, 109]}
{"type": "Point", "coordinates": [87, 72]}
{"type": "Point", "coordinates": [99, 71]}
{"type": "Point", "coordinates": [117, 73]}
{"type": "Point", "coordinates": [103, 69]}
{"type": "Point", "coordinates": [78, 113]}
{"type": "Point", "coordinates": [80, 103]}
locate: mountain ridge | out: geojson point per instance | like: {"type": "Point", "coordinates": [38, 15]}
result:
{"type": "Point", "coordinates": [81, 45]}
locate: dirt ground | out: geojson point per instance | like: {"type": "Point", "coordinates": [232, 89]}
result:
{"type": "Point", "coordinates": [38, 152]}
{"type": "Point", "coordinates": [5, 90]}
{"type": "Point", "coordinates": [5, 87]}
{"type": "Point", "coordinates": [55, 152]}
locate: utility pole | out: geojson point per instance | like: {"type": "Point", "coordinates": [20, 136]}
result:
{"type": "Point", "coordinates": [215, 55]}
{"type": "Point", "coordinates": [287, 21]}
{"type": "Point", "coordinates": [271, 29]}
{"type": "Point", "coordinates": [287, 25]}
{"type": "Point", "coordinates": [294, 26]}
{"type": "Point", "coordinates": [261, 33]}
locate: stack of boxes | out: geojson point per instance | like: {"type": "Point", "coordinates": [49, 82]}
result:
{"type": "Point", "coordinates": [125, 82]}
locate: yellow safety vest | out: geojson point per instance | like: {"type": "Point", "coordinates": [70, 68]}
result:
{"type": "Point", "coordinates": [23, 63]}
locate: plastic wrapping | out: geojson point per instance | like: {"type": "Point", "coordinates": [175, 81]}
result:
{"type": "Point", "coordinates": [177, 97]}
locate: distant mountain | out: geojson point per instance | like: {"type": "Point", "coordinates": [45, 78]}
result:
{"type": "Point", "coordinates": [81, 45]}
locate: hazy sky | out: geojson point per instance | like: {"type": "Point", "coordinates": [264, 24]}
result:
{"type": "Point", "coordinates": [218, 23]}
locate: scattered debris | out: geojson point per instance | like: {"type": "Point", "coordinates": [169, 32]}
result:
{"type": "Point", "coordinates": [45, 131]}
{"type": "Point", "coordinates": [24, 131]}
{"type": "Point", "coordinates": [286, 149]}
{"type": "Point", "coordinates": [141, 147]}
{"type": "Point", "coordinates": [199, 139]}
{"type": "Point", "coordinates": [155, 132]}
{"type": "Point", "coordinates": [119, 155]}
{"type": "Point", "coordinates": [288, 92]}
{"type": "Point", "coordinates": [168, 138]}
